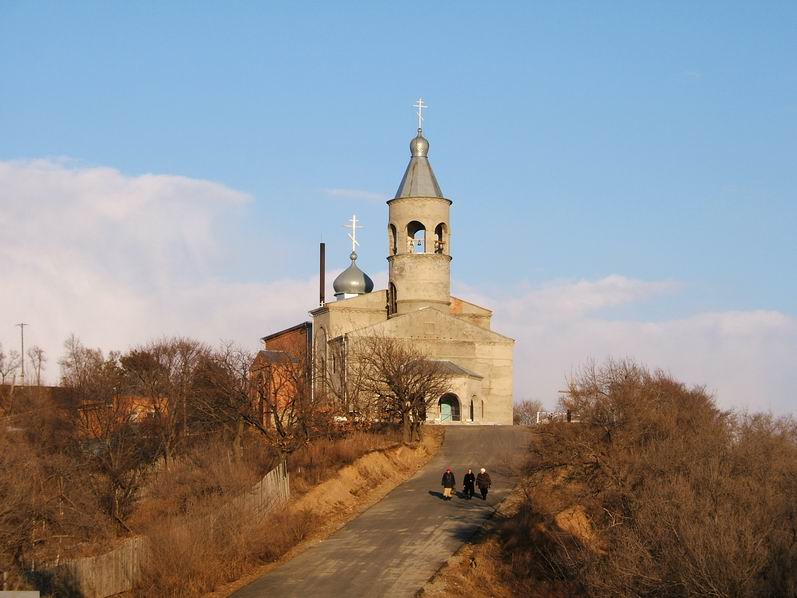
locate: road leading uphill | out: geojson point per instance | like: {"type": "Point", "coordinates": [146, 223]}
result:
{"type": "Point", "coordinates": [396, 545]}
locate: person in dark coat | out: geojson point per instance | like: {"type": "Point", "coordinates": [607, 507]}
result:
{"type": "Point", "coordinates": [470, 480]}
{"type": "Point", "coordinates": [448, 483]}
{"type": "Point", "coordinates": [484, 482]}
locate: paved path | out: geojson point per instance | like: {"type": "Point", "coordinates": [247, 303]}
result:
{"type": "Point", "coordinates": [394, 547]}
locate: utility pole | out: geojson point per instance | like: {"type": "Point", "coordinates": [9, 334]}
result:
{"type": "Point", "coordinates": [22, 355]}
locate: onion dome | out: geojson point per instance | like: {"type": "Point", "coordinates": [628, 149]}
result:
{"type": "Point", "coordinates": [352, 281]}
{"type": "Point", "coordinates": [419, 180]}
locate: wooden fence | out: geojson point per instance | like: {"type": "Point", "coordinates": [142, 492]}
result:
{"type": "Point", "coordinates": [117, 571]}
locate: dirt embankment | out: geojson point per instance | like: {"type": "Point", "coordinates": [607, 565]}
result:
{"type": "Point", "coordinates": [474, 570]}
{"type": "Point", "coordinates": [484, 566]}
{"type": "Point", "coordinates": [351, 491]}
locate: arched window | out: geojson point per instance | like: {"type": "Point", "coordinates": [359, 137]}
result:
{"type": "Point", "coordinates": [449, 408]}
{"type": "Point", "coordinates": [472, 401]}
{"type": "Point", "coordinates": [440, 238]}
{"type": "Point", "coordinates": [416, 237]}
{"type": "Point", "coordinates": [391, 299]}
{"type": "Point", "coordinates": [321, 352]}
{"type": "Point", "coordinates": [391, 234]}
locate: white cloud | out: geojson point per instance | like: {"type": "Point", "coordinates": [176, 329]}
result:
{"type": "Point", "coordinates": [746, 358]}
{"type": "Point", "coordinates": [119, 260]}
{"type": "Point", "coordinates": [357, 194]}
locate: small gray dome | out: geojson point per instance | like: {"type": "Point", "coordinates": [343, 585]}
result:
{"type": "Point", "coordinates": [353, 281]}
{"type": "Point", "coordinates": [419, 146]}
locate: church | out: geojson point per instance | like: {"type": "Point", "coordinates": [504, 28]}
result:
{"type": "Point", "coordinates": [417, 306]}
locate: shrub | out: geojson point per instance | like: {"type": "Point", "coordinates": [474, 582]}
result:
{"type": "Point", "coordinates": [678, 497]}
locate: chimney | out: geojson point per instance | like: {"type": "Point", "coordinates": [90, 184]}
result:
{"type": "Point", "coordinates": [322, 281]}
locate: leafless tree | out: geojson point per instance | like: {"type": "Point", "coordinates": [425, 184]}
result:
{"type": "Point", "coordinates": [38, 360]}
{"type": "Point", "coordinates": [113, 444]}
{"type": "Point", "coordinates": [82, 369]}
{"type": "Point", "coordinates": [224, 393]}
{"type": "Point", "coordinates": [524, 413]}
{"type": "Point", "coordinates": [342, 384]}
{"type": "Point", "coordinates": [163, 372]}
{"type": "Point", "coordinates": [9, 364]}
{"type": "Point", "coordinates": [269, 395]}
{"type": "Point", "coordinates": [402, 378]}
{"type": "Point", "coordinates": [118, 453]}
{"type": "Point", "coordinates": [289, 414]}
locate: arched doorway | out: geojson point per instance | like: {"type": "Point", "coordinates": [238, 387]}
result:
{"type": "Point", "coordinates": [449, 408]}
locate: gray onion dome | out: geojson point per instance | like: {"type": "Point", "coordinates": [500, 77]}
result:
{"type": "Point", "coordinates": [419, 146]}
{"type": "Point", "coordinates": [353, 281]}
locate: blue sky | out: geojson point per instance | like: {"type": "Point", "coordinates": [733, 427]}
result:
{"type": "Point", "coordinates": [652, 141]}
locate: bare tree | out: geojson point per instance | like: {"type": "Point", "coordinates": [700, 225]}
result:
{"type": "Point", "coordinates": [112, 445]}
{"type": "Point", "coordinates": [402, 378]}
{"type": "Point", "coordinates": [118, 453]}
{"type": "Point", "coordinates": [524, 413]}
{"type": "Point", "coordinates": [9, 364]}
{"type": "Point", "coordinates": [289, 415]}
{"type": "Point", "coordinates": [269, 394]}
{"type": "Point", "coordinates": [38, 360]}
{"type": "Point", "coordinates": [224, 393]}
{"type": "Point", "coordinates": [81, 367]}
{"type": "Point", "coordinates": [163, 372]}
{"type": "Point", "coordinates": [342, 384]}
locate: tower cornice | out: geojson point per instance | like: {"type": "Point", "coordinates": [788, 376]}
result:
{"type": "Point", "coordinates": [416, 198]}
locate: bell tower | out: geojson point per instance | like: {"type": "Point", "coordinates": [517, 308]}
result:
{"type": "Point", "coordinates": [419, 235]}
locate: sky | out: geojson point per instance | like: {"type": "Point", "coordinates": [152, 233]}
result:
{"type": "Point", "coordinates": [623, 174]}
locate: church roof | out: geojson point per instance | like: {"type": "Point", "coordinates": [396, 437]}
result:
{"type": "Point", "coordinates": [455, 369]}
{"type": "Point", "coordinates": [274, 357]}
{"type": "Point", "coordinates": [434, 324]}
{"type": "Point", "coordinates": [419, 180]}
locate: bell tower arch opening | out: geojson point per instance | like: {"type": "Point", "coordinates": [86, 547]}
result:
{"type": "Point", "coordinates": [416, 237]}
{"type": "Point", "coordinates": [441, 238]}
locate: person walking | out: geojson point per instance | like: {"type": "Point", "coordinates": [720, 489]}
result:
{"type": "Point", "coordinates": [484, 482]}
{"type": "Point", "coordinates": [448, 483]}
{"type": "Point", "coordinates": [470, 480]}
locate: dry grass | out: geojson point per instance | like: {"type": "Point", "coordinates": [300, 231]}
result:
{"type": "Point", "coordinates": [321, 459]}
{"type": "Point", "coordinates": [208, 475]}
{"type": "Point", "coordinates": [193, 556]}
{"type": "Point", "coordinates": [206, 547]}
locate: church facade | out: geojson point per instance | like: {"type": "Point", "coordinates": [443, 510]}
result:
{"type": "Point", "coordinates": [418, 306]}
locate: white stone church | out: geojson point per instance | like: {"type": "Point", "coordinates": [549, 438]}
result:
{"type": "Point", "coordinates": [418, 305]}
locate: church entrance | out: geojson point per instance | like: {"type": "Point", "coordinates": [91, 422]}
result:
{"type": "Point", "coordinates": [449, 408]}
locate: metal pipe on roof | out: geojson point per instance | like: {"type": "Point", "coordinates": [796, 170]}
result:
{"type": "Point", "coordinates": [322, 267]}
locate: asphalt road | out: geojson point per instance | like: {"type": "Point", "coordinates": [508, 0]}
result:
{"type": "Point", "coordinates": [394, 547]}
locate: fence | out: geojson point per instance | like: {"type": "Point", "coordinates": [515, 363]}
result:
{"type": "Point", "coordinates": [544, 417]}
{"type": "Point", "coordinates": [117, 571]}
